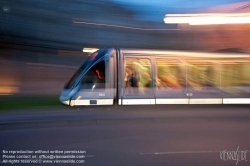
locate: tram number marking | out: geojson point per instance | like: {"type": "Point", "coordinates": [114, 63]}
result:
{"type": "Point", "coordinates": [189, 94]}
{"type": "Point", "coordinates": [101, 94]}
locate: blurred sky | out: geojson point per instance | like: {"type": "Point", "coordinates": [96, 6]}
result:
{"type": "Point", "coordinates": [154, 10]}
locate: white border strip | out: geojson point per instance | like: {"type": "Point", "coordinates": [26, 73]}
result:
{"type": "Point", "coordinates": [172, 101]}
{"type": "Point", "coordinates": [80, 102]}
{"type": "Point", "coordinates": [206, 101]}
{"type": "Point", "coordinates": [87, 102]}
{"type": "Point", "coordinates": [161, 101]}
{"type": "Point", "coordinates": [105, 102]}
{"type": "Point", "coordinates": [236, 101]}
{"type": "Point", "coordinates": [138, 101]}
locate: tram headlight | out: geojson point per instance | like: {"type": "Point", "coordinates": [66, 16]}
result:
{"type": "Point", "coordinates": [72, 103]}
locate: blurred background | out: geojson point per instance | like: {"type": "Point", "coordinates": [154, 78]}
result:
{"type": "Point", "coordinates": [41, 42]}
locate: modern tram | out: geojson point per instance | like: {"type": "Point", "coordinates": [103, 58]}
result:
{"type": "Point", "coordinates": [114, 76]}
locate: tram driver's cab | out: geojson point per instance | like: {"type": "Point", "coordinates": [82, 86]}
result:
{"type": "Point", "coordinates": [92, 83]}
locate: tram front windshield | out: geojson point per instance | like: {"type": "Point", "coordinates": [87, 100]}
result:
{"type": "Point", "coordinates": [95, 76]}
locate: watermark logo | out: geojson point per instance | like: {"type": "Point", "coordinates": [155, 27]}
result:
{"type": "Point", "coordinates": [233, 155]}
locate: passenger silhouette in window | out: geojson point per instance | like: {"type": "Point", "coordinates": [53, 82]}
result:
{"type": "Point", "coordinates": [135, 79]}
{"type": "Point", "coordinates": [127, 79]}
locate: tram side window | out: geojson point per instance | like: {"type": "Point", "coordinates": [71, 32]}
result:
{"type": "Point", "coordinates": [95, 78]}
{"type": "Point", "coordinates": [235, 76]}
{"type": "Point", "coordinates": [137, 76]}
{"type": "Point", "coordinates": [203, 74]}
{"type": "Point", "coordinates": [170, 75]}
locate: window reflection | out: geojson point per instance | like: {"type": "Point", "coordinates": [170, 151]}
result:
{"type": "Point", "coordinates": [95, 78]}
{"type": "Point", "coordinates": [137, 78]}
{"type": "Point", "coordinates": [170, 74]}
{"type": "Point", "coordinates": [235, 77]}
{"type": "Point", "coordinates": [188, 75]}
{"type": "Point", "coordinates": [203, 75]}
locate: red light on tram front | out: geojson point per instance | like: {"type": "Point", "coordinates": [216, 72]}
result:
{"type": "Point", "coordinates": [98, 74]}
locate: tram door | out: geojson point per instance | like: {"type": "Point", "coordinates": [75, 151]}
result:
{"type": "Point", "coordinates": [138, 82]}
{"type": "Point", "coordinates": [204, 81]}
{"type": "Point", "coordinates": [170, 84]}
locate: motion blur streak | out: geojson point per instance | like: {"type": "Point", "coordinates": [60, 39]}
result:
{"type": "Point", "coordinates": [207, 19]}
{"type": "Point", "coordinates": [8, 90]}
{"type": "Point", "coordinates": [90, 50]}
{"type": "Point", "coordinates": [9, 83]}
{"type": "Point", "coordinates": [50, 65]}
{"type": "Point", "coordinates": [120, 26]}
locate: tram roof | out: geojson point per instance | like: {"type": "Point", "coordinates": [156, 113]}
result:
{"type": "Point", "coordinates": [152, 52]}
